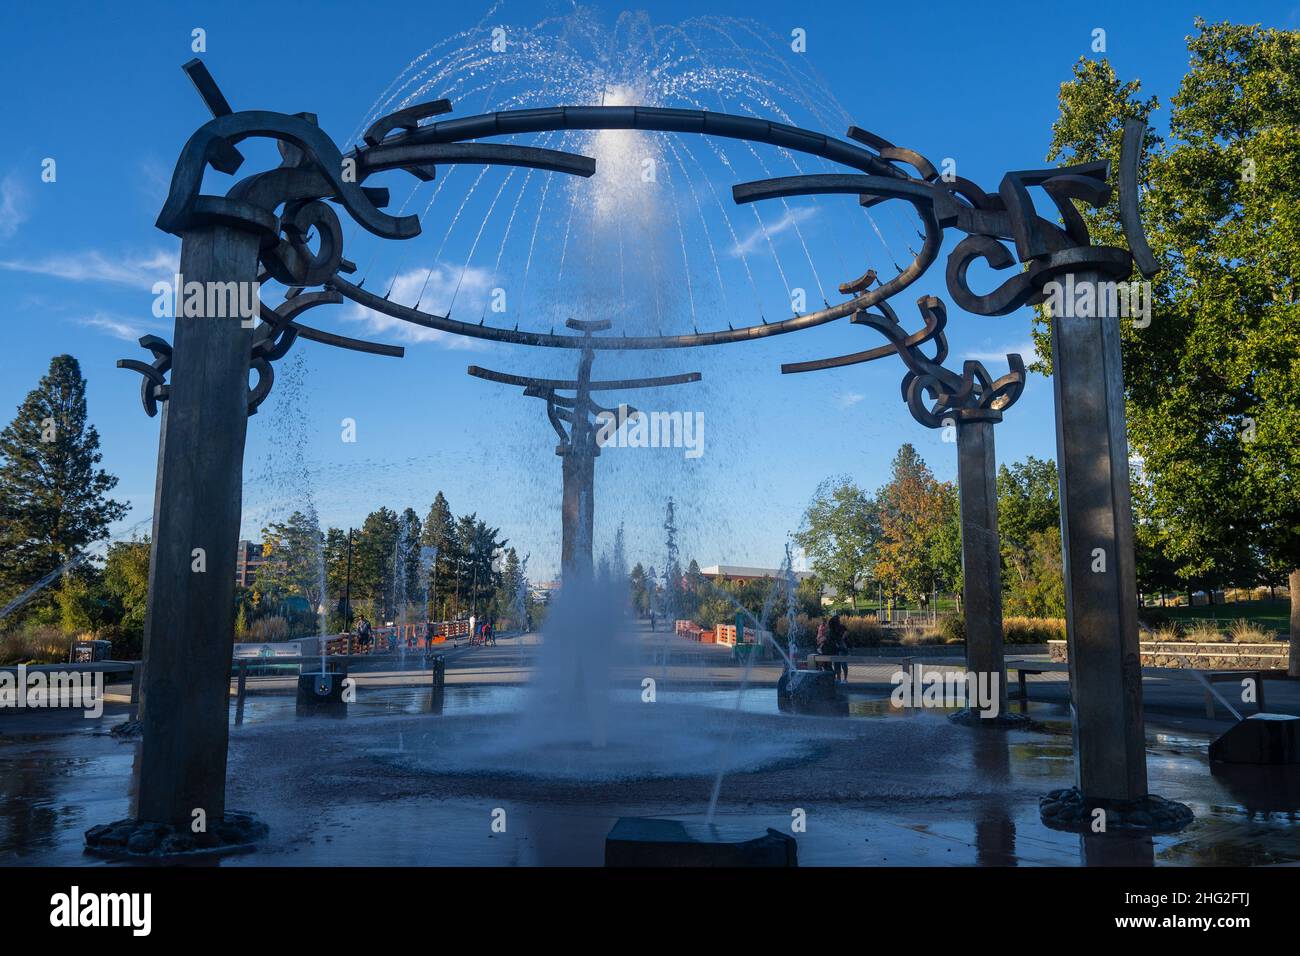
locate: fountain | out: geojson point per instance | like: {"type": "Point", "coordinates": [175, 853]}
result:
{"type": "Point", "coordinates": [642, 111]}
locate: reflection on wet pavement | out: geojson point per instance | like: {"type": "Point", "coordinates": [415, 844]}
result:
{"type": "Point", "coordinates": [60, 775]}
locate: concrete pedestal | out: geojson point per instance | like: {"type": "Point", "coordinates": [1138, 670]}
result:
{"type": "Point", "coordinates": [1260, 739]}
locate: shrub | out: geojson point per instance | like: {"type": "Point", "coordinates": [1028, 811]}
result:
{"type": "Point", "coordinates": [268, 629]}
{"type": "Point", "coordinates": [1153, 617]}
{"type": "Point", "coordinates": [920, 636]}
{"type": "Point", "coordinates": [1167, 632]}
{"type": "Point", "coordinates": [1248, 632]}
{"type": "Point", "coordinates": [1204, 632]}
{"type": "Point", "coordinates": [953, 629]}
{"type": "Point", "coordinates": [863, 632]}
{"type": "Point", "coordinates": [34, 645]}
{"type": "Point", "coordinates": [1033, 630]}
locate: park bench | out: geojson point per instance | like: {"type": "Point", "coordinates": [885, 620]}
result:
{"type": "Point", "coordinates": [906, 662]}
{"type": "Point", "coordinates": [104, 667]}
{"type": "Point", "coordinates": [1026, 668]}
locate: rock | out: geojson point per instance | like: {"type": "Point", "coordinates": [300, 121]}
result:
{"type": "Point", "coordinates": [143, 841]}
{"type": "Point", "coordinates": [806, 687]}
{"type": "Point", "coordinates": [1068, 810]}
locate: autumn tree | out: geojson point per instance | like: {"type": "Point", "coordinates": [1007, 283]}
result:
{"type": "Point", "coordinates": [912, 511]}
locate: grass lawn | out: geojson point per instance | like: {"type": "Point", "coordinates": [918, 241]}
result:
{"type": "Point", "coordinates": [1274, 615]}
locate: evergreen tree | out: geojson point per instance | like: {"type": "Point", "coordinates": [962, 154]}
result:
{"type": "Point", "coordinates": [373, 549]}
{"type": "Point", "coordinates": [439, 533]}
{"type": "Point", "coordinates": [672, 604]}
{"type": "Point", "coordinates": [53, 495]}
{"type": "Point", "coordinates": [637, 593]}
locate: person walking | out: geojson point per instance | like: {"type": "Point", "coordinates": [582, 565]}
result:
{"type": "Point", "coordinates": [473, 632]}
{"type": "Point", "coordinates": [364, 636]}
{"type": "Point", "coordinates": [824, 646]}
{"type": "Point", "coordinates": [837, 637]}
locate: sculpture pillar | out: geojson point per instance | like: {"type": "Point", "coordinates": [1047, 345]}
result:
{"type": "Point", "coordinates": [578, 507]}
{"type": "Point", "coordinates": [1097, 538]}
{"type": "Point", "coordinates": [190, 617]}
{"type": "Point", "coordinates": [981, 558]}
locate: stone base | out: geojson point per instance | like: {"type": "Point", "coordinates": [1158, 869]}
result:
{"type": "Point", "coordinates": [636, 841]}
{"type": "Point", "coordinates": [1005, 720]}
{"type": "Point", "coordinates": [1270, 739]}
{"type": "Point", "coordinates": [1068, 809]}
{"type": "Point", "coordinates": [128, 839]}
{"type": "Point", "coordinates": [806, 687]}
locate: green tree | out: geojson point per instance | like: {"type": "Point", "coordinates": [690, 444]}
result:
{"type": "Point", "coordinates": [373, 548]}
{"type": "Point", "coordinates": [1028, 504]}
{"type": "Point", "coordinates": [1042, 592]}
{"type": "Point", "coordinates": [839, 535]}
{"type": "Point", "coordinates": [946, 543]}
{"type": "Point", "coordinates": [1212, 384]}
{"type": "Point", "coordinates": [53, 495]}
{"type": "Point", "coordinates": [672, 593]}
{"type": "Point", "coordinates": [292, 551]}
{"type": "Point", "coordinates": [439, 533]}
{"type": "Point", "coordinates": [126, 580]}
{"type": "Point", "coordinates": [409, 547]}
{"type": "Point", "coordinates": [637, 593]}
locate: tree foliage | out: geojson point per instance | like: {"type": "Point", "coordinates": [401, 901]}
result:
{"type": "Point", "coordinates": [1213, 383]}
{"type": "Point", "coordinates": [53, 494]}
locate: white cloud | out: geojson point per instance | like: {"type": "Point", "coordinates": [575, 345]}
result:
{"type": "Point", "coordinates": [761, 234]}
{"type": "Point", "coordinates": [137, 270]}
{"type": "Point", "coordinates": [13, 206]}
{"type": "Point", "coordinates": [435, 291]}
{"type": "Point", "coordinates": [848, 399]}
{"type": "Point", "coordinates": [119, 327]}
{"type": "Point", "coordinates": [1025, 350]}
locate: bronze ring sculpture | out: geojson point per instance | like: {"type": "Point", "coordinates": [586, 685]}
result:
{"type": "Point", "coordinates": [315, 177]}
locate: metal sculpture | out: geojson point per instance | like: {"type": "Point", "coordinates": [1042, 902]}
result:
{"type": "Point", "coordinates": [263, 228]}
{"type": "Point", "coordinates": [579, 446]}
{"type": "Point", "coordinates": [1047, 250]}
{"type": "Point", "coordinates": [969, 404]}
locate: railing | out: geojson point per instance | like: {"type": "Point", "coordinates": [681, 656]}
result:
{"type": "Point", "coordinates": [242, 665]}
{"type": "Point", "coordinates": [89, 667]}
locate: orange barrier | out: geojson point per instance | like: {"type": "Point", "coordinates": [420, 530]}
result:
{"type": "Point", "coordinates": [414, 636]}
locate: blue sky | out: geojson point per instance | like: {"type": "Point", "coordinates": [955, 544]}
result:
{"type": "Point", "coordinates": [98, 88]}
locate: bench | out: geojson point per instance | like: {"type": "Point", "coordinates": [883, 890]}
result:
{"type": "Point", "coordinates": [1214, 677]}
{"type": "Point", "coordinates": [1025, 668]}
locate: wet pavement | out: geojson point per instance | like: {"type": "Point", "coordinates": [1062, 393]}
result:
{"type": "Point", "coordinates": [391, 783]}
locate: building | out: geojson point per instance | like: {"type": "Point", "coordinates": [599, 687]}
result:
{"type": "Point", "coordinates": [248, 559]}
{"type": "Point", "coordinates": [738, 572]}
{"type": "Point", "coordinates": [542, 591]}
